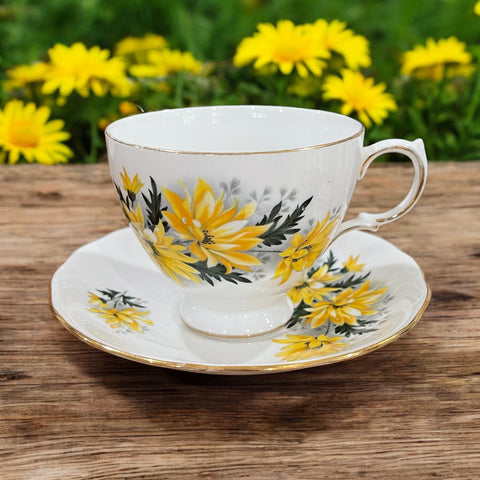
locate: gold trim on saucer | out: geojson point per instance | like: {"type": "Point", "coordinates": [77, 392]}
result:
{"type": "Point", "coordinates": [242, 369]}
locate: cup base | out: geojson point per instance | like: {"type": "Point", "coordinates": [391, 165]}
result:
{"type": "Point", "coordinates": [235, 323]}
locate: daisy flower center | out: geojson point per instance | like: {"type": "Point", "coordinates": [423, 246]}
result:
{"type": "Point", "coordinates": [24, 135]}
{"type": "Point", "coordinates": [207, 238]}
{"type": "Point", "coordinates": [287, 51]}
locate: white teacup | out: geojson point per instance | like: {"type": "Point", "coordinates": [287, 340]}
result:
{"type": "Point", "coordinates": [236, 203]}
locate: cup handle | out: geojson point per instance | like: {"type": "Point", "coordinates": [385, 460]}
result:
{"type": "Point", "coordinates": [415, 151]}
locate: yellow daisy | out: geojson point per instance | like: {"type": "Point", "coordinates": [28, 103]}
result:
{"type": "Point", "coordinates": [94, 298]}
{"type": "Point", "coordinates": [132, 186]}
{"type": "Point", "coordinates": [164, 252]}
{"type": "Point", "coordinates": [345, 307]}
{"type": "Point", "coordinates": [135, 217]}
{"type": "Point", "coordinates": [304, 251]}
{"type": "Point", "coordinates": [169, 256]}
{"type": "Point", "coordinates": [285, 46]}
{"type": "Point", "coordinates": [125, 108]}
{"type": "Point", "coordinates": [128, 108]}
{"type": "Point", "coordinates": [26, 132]}
{"type": "Point", "coordinates": [335, 37]}
{"type": "Point", "coordinates": [215, 233]}
{"type": "Point", "coordinates": [165, 62]}
{"type": "Point", "coordinates": [435, 59]}
{"type": "Point", "coordinates": [134, 45]}
{"type": "Point", "coordinates": [23, 75]}
{"type": "Point", "coordinates": [359, 94]}
{"type": "Point", "coordinates": [77, 69]}
{"type": "Point", "coordinates": [129, 317]}
{"type": "Point", "coordinates": [313, 286]}
{"type": "Point", "coordinates": [303, 347]}
{"type": "Point", "coordinates": [352, 265]}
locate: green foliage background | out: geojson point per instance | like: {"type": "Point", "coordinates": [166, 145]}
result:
{"type": "Point", "coordinates": [211, 30]}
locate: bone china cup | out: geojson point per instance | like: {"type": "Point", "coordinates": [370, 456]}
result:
{"type": "Point", "coordinates": [236, 203]}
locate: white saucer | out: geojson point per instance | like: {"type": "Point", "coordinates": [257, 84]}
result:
{"type": "Point", "coordinates": [153, 333]}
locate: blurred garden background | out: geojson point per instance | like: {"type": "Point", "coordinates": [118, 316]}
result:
{"type": "Point", "coordinates": [405, 68]}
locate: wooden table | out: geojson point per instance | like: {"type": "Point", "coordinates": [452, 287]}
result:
{"type": "Point", "coordinates": [408, 411]}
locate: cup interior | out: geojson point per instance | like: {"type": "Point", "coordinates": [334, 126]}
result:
{"type": "Point", "coordinates": [234, 129]}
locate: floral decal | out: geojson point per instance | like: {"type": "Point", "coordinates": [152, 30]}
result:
{"type": "Point", "coordinates": [332, 298]}
{"type": "Point", "coordinates": [206, 235]}
{"type": "Point", "coordinates": [215, 234]}
{"type": "Point", "coordinates": [303, 252]}
{"type": "Point", "coordinates": [120, 311]}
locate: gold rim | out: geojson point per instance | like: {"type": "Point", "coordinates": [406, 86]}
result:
{"type": "Point", "coordinates": [238, 369]}
{"type": "Point", "coordinates": [266, 152]}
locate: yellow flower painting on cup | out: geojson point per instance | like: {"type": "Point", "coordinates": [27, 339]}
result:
{"type": "Point", "coordinates": [202, 233]}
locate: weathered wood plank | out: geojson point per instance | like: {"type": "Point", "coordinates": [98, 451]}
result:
{"type": "Point", "coordinates": [411, 409]}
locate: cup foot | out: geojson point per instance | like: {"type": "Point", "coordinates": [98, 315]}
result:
{"type": "Point", "coordinates": [237, 322]}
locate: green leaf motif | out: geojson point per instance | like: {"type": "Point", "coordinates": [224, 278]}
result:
{"type": "Point", "coordinates": [298, 314]}
{"type": "Point", "coordinates": [277, 233]}
{"type": "Point", "coordinates": [218, 272]}
{"type": "Point", "coordinates": [114, 296]}
{"type": "Point", "coordinates": [362, 326]}
{"type": "Point", "coordinates": [352, 281]}
{"type": "Point", "coordinates": [154, 207]}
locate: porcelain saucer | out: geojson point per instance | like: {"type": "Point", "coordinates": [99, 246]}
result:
{"type": "Point", "coordinates": [110, 295]}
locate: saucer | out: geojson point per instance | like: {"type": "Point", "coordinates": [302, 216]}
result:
{"type": "Point", "coordinates": [367, 293]}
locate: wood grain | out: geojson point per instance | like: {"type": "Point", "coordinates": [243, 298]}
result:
{"type": "Point", "coordinates": [68, 411]}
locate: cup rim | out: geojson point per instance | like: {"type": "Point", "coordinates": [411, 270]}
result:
{"type": "Point", "coordinates": [109, 135]}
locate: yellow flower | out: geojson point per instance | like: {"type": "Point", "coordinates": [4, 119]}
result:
{"type": "Point", "coordinates": [162, 249]}
{"type": "Point", "coordinates": [126, 317]}
{"type": "Point", "coordinates": [94, 298]}
{"type": "Point", "coordinates": [216, 234]}
{"type": "Point", "coordinates": [25, 131]}
{"type": "Point", "coordinates": [303, 347]}
{"type": "Point", "coordinates": [345, 307]}
{"type": "Point", "coordinates": [476, 8]}
{"type": "Point", "coordinates": [286, 46]}
{"type": "Point", "coordinates": [335, 37]}
{"type": "Point", "coordinates": [104, 122]}
{"type": "Point", "coordinates": [23, 75]}
{"type": "Point", "coordinates": [77, 69]}
{"type": "Point", "coordinates": [312, 287]}
{"type": "Point", "coordinates": [351, 264]}
{"type": "Point", "coordinates": [125, 108]}
{"type": "Point", "coordinates": [360, 95]}
{"type": "Point", "coordinates": [110, 308]}
{"type": "Point", "coordinates": [128, 108]}
{"type": "Point", "coordinates": [165, 62]}
{"type": "Point", "coordinates": [168, 255]}
{"type": "Point", "coordinates": [134, 45]}
{"type": "Point", "coordinates": [135, 217]}
{"type": "Point", "coordinates": [303, 252]}
{"type": "Point", "coordinates": [436, 59]}
{"type": "Point", "coordinates": [130, 185]}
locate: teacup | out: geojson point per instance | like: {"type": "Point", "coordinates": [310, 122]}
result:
{"type": "Point", "coordinates": [237, 203]}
